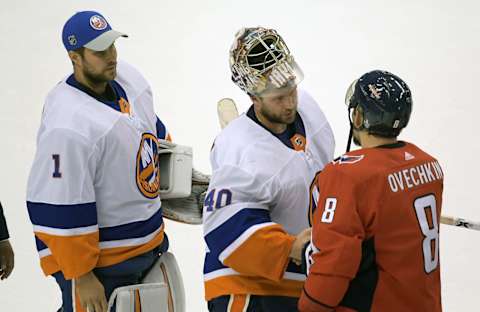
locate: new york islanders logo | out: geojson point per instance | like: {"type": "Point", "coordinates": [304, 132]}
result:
{"type": "Point", "coordinates": [148, 175]}
{"type": "Point", "coordinates": [98, 23]}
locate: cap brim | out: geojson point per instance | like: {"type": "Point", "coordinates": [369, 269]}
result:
{"type": "Point", "coordinates": [102, 42]}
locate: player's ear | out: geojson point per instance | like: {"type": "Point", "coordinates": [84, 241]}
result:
{"type": "Point", "coordinates": [254, 98]}
{"type": "Point", "coordinates": [357, 117]}
{"type": "Point", "coordinates": [74, 57]}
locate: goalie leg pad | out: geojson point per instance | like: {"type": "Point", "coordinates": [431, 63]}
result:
{"type": "Point", "coordinates": [142, 297]}
{"type": "Point", "coordinates": [166, 271]}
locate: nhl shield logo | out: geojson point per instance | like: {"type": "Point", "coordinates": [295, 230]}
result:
{"type": "Point", "coordinates": [72, 40]}
{"type": "Point", "coordinates": [98, 23]}
{"type": "Point", "coordinates": [147, 171]}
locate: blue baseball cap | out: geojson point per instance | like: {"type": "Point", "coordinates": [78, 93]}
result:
{"type": "Point", "coordinates": [88, 29]}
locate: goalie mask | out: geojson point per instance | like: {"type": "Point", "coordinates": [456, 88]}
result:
{"type": "Point", "coordinates": [261, 62]}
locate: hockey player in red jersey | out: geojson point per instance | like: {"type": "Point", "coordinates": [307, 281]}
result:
{"type": "Point", "coordinates": [375, 237]}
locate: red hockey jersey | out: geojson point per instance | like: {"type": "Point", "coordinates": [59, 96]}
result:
{"type": "Point", "coordinates": [375, 237]}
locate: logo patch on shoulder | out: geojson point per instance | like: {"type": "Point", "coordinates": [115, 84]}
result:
{"type": "Point", "coordinates": [98, 23]}
{"type": "Point", "coordinates": [409, 156]}
{"type": "Point", "coordinates": [298, 141]}
{"type": "Point", "coordinates": [348, 159]}
{"type": "Point", "coordinates": [148, 172]}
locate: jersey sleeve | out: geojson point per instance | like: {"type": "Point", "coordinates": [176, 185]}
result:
{"type": "Point", "coordinates": [335, 250]}
{"type": "Point", "coordinates": [238, 229]}
{"type": "Point", "coordinates": [61, 202]}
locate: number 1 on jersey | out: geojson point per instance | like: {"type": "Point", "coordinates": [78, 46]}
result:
{"type": "Point", "coordinates": [56, 164]}
{"type": "Point", "coordinates": [430, 242]}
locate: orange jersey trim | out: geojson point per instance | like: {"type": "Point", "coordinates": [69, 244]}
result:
{"type": "Point", "coordinates": [74, 255]}
{"type": "Point", "coordinates": [265, 253]}
{"type": "Point", "coordinates": [238, 303]}
{"type": "Point", "coordinates": [80, 264]}
{"type": "Point", "coordinates": [242, 285]}
{"type": "Point", "coordinates": [113, 256]}
{"type": "Point", "coordinates": [48, 265]}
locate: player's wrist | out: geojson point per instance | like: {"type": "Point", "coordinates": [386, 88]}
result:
{"type": "Point", "coordinates": [86, 279]}
{"type": "Point", "coordinates": [298, 245]}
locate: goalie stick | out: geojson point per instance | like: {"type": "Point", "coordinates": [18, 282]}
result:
{"type": "Point", "coordinates": [189, 210]}
{"type": "Point", "coordinates": [227, 111]}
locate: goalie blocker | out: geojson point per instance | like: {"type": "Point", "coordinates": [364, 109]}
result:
{"type": "Point", "coordinates": [182, 188]}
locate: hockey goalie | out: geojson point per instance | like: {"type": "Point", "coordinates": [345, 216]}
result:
{"type": "Point", "coordinates": [182, 192]}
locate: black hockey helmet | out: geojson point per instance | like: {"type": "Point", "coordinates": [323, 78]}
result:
{"type": "Point", "coordinates": [385, 101]}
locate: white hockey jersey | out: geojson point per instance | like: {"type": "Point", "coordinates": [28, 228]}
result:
{"type": "Point", "coordinates": [258, 200]}
{"type": "Point", "coordinates": [92, 193]}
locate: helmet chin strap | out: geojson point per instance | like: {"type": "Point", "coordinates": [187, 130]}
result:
{"type": "Point", "coordinates": [352, 126]}
{"type": "Point", "coordinates": [350, 137]}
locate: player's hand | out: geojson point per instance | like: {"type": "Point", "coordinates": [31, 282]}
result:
{"type": "Point", "coordinates": [91, 293]}
{"type": "Point", "coordinates": [300, 240]}
{"type": "Point", "coordinates": [6, 259]}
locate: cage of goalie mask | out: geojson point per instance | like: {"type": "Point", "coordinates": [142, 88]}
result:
{"type": "Point", "coordinates": [261, 62]}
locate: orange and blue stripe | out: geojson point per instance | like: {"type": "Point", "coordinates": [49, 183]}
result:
{"type": "Point", "coordinates": [76, 245]}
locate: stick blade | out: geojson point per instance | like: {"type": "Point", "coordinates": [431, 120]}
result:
{"type": "Point", "coordinates": [227, 111]}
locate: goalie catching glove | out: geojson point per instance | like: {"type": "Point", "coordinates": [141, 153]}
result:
{"type": "Point", "coordinates": [188, 209]}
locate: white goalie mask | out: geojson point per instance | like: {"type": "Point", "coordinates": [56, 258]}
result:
{"type": "Point", "coordinates": [261, 62]}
